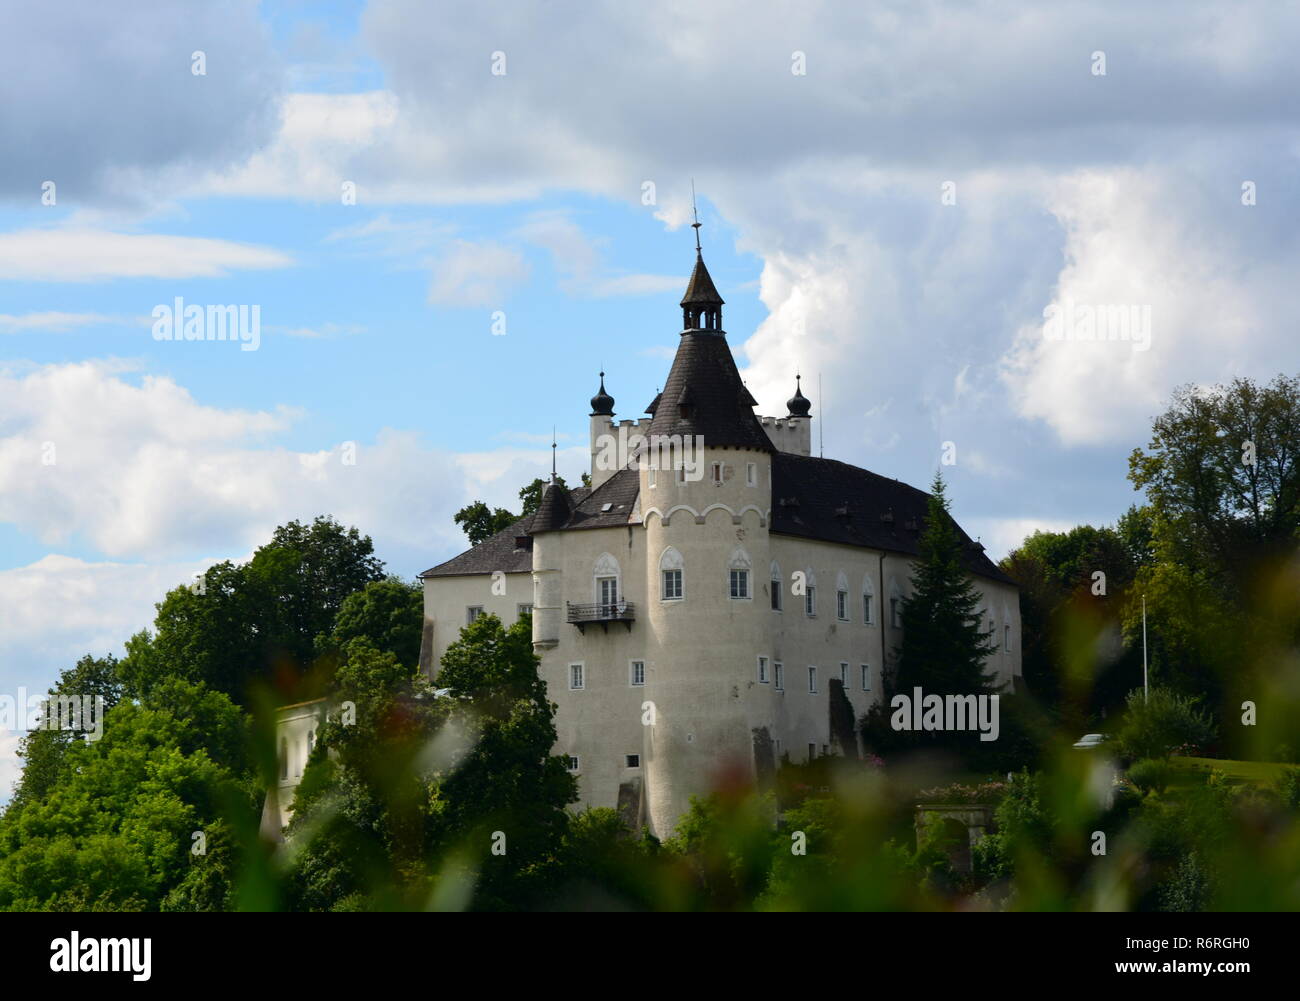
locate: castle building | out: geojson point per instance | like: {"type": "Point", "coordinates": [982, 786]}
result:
{"type": "Point", "coordinates": [698, 607]}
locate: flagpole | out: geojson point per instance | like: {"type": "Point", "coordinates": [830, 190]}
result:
{"type": "Point", "coordinates": [1144, 649]}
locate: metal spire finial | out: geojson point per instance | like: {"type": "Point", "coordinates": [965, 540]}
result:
{"type": "Point", "coordinates": [553, 451]}
{"type": "Point", "coordinates": [696, 212]}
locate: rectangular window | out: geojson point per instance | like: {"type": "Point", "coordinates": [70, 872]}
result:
{"type": "Point", "coordinates": [672, 584]}
{"type": "Point", "coordinates": [650, 476]}
{"type": "Point", "coordinates": [896, 613]}
{"type": "Point", "coordinates": [751, 474]}
{"type": "Point", "coordinates": [812, 751]}
{"type": "Point", "coordinates": [573, 762]}
{"type": "Point", "coordinates": [810, 601]}
{"type": "Point", "coordinates": [637, 673]}
{"type": "Point", "coordinates": [1006, 637]}
{"type": "Point", "coordinates": [778, 676]}
{"type": "Point", "coordinates": [739, 583]}
{"type": "Point", "coordinates": [844, 674]}
{"type": "Point", "coordinates": [812, 680]}
{"type": "Point", "coordinates": [842, 605]}
{"type": "Point", "coordinates": [633, 760]}
{"type": "Point", "coordinates": [717, 472]}
{"type": "Point", "coordinates": [762, 670]}
{"type": "Point", "coordinates": [607, 591]}
{"type": "Point", "coordinates": [776, 594]}
{"type": "Point", "coordinates": [866, 609]}
{"type": "Point", "coordinates": [866, 677]}
{"type": "Point", "coordinates": [575, 677]}
{"type": "Point", "coordinates": [525, 608]}
{"type": "Point", "coordinates": [681, 473]}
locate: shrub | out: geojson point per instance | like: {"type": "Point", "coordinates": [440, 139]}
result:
{"type": "Point", "coordinates": [1154, 727]}
{"type": "Point", "coordinates": [1151, 775]}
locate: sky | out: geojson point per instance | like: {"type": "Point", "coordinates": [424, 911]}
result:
{"type": "Point", "coordinates": [451, 216]}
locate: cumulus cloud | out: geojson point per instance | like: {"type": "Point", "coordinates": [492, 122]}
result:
{"type": "Point", "coordinates": [141, 470]}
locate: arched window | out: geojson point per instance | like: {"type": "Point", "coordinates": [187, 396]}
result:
{"type": "Point", "coordinates": [608, 583]}
{"type": "Point", "coordinates": [868, 601]}
{"type": "Point", "coordinates": [810, 593]}
{"type": "Point", "coordinates": [777, 582]}
{"type": "Point", "coordinates": [842, 597]}
{"type": "Point", "coordinates": [671, 575]}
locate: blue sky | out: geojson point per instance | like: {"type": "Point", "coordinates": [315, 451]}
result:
{"type": "Point", "coordinates": [828, 228]}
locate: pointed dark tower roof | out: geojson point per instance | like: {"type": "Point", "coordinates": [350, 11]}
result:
{"type": "Point", "coordinates": [602, 404]}
{"type": "Point", "coordinates": [704, 394]}
{"type": "Point", "coordinates": [700, 290]}
{"type": "Point", "coordinates": [798, 405]}
{"type": "Point", "coordinates": [553, 511]}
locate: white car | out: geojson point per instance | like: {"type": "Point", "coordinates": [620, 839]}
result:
{"type": "Point", "coordinates": [1089, 740]}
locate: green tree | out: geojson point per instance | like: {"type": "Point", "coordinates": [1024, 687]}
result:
{"type": "Point", "coordinates": [255, 623]}
{"type": "Point", "coordinates": [116, 831]}
{"type": "Point", "coordinates": [481, 522]}
{"type": "Point", "coordinates": [389, 613]}
{"type": "Point", "coordinates": [944, 646]}
{"type": "Point", "coordinates": [1221, 471]}
{"type": "Point", "coordinates": [531, 495]}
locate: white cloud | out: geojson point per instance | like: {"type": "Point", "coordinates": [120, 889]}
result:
{"type": "Point", "coordinates": [476, 274]}
{"type": "Point", "coordinates": [51, 321]}
{"type": "Point", "coordinates": [81, 254]}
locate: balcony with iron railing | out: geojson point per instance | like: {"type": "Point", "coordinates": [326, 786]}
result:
{"type": "Point", "coordinates": [600, 613]}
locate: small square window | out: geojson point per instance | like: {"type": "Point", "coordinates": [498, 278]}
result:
{"type": "Point", "coordinates": [762, 670]}
{"type": "Point", "coordinates": [812, 680]}
{"type": "Point", "coordinates": [638, 673]}
{"type": "Point", "coordinates": [472, 613]}
{"type": "Point", "coordinates": [575, 677]}
{"type": "Point", "coordinates": [633, 760]}
{"type": "Point", "coordinates": [778, 676]}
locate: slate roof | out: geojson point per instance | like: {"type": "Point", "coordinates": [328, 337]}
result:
{"type": "Point", "coordinates": [704, 396]}
{"type": "Point", "coordinates": [833, 501]}
{"type": "Point", "coordinates": [700, 290]}
{"type": "Point", "coordinates": [497, 552]}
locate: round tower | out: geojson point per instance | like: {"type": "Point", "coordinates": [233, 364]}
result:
{"type": "Point", "coordinates": [705, 494]}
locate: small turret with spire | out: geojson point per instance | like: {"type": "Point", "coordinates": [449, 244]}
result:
{"type": "Point", "coordinates": [602, 404]}
{"type": "Point", "coordinates": [798, 405]}
{"type": "Point", "coordinates": [701, 305]}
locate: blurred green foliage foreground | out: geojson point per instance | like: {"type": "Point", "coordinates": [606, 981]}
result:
{"type": "Point", "coordinates": [450, 799]}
